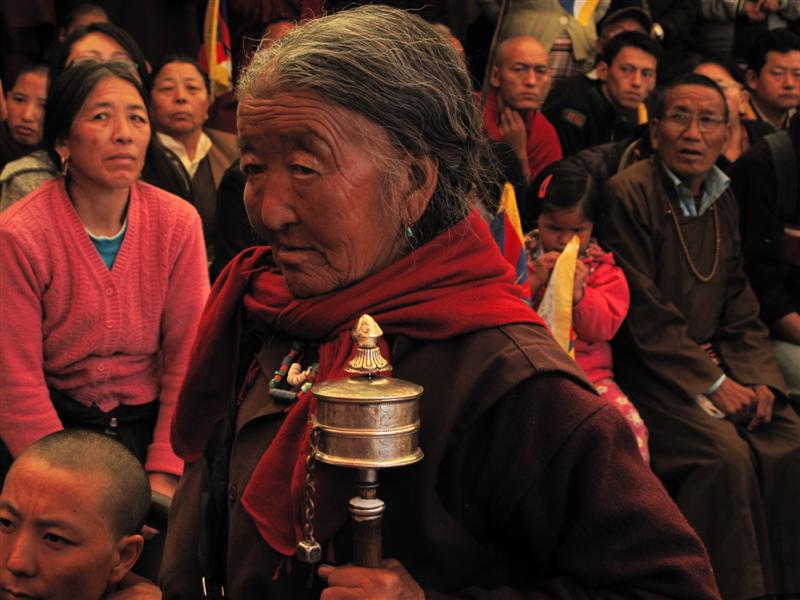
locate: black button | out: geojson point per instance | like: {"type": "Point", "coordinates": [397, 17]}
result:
{"type": "Point", "coordinates": [232, 493]}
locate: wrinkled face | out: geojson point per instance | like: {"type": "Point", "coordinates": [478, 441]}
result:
{"type": "Point", "coordinates": [25, 103]}
{"type": "Point", "coordinates": [630, 78]}
{"type": "Point", "coordinates": [314, 190]}
{"type": "Point", "coordinates": [55, 539]}
{"type": "Point", "coordinates": [521, 76]}
{"type": "Point", "coordinates": [97, 46]}
{"type": "Point", "coordinates": [108, 139]}
{"type": "Point", "coordinates": [557, 228]}
{"type": "Point", "coordinates": [691, 135]}
{"type": "Point", "coordinates": [735, 96]}
{"type": "Point", "coordinates": [778, 84]}
{"type": "Point", "coordinates": [180, 99]}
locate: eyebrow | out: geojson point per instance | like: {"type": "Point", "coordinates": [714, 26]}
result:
{"type": "Point", "coordinates": [42, 523]}
{"type": "Point", "coordinates": [9, 507]}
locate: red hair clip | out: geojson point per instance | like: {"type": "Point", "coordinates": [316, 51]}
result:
{"type": "Point", "coordinates": [543, 187]}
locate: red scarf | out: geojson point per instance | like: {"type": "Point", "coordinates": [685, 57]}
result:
{"type": "Point", "coordinates": [454, 284]}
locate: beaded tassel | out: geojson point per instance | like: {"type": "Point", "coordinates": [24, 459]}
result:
{"type": "Point", "coordinates": [280, 374]}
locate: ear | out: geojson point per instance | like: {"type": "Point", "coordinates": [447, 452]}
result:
{"type": "Point", "coordinates": [744, 99]}
{"type": "Point", "coordinates": [654, 133]}
{"type": "Point", "coordinates": [62, 150]}
{"type": "Point", "coordinates": [494, 77]}
{"type": "Point", "coordinates": [423, 174]}
{"type": "Point", "coordinates": [127, 552]}
{"type": "Point", "coordinates": [751, 77]}
{"type": "Point", "coordinates": [602, 70]}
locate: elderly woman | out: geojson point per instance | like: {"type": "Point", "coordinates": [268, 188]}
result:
{"type": "Point", "coordinates": [363, 153]}
{"type": "Point", "coordinates": [101, 42]}
{"type": "Point", "coordinates": [181, 99]}
{"type": "Point", "coordinates": [104, 280]}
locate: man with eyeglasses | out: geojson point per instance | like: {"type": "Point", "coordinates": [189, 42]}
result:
{"type": "Point", "coordinates": [693, 355]}
{"type": "Point", "coordinates": [587, 112]}
{"type": "Point", "coordinates": [773, 76]}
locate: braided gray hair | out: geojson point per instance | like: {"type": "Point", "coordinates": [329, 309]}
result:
{"type": "Point", "coordinates": [396, 70]}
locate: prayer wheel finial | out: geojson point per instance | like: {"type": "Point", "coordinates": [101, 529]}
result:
{"type": "Point", "coordinates": [367, 359]}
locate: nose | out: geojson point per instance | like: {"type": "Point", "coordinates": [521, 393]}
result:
{"type": "Point", "coordinates": [636, 79]}
{"type": "Point", "coordinates": [792, 80]}
{"type": "Point", "coordinates": [29, 113]}
{"type": "Point", "coordinates": [122, 131]}
{"type": "Point", "coordinates": [180, 94]}
{"type": "Point", "coordinates": [269, 202]}
{"type": "Point", "coordinates": [692, 130]}
{"type": "Point", "coordinates": [531, 78]}
{"type": "Point", "coordinates": [563, 239]}
{"type": "Point", "coordinates": [21, 558]}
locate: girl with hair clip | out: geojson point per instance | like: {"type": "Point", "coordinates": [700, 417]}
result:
{"type": "Point", "coordinates": [568, 204]}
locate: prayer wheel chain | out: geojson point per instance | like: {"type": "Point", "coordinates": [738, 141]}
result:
{"type": "Point", "coordinates": [308, 549]}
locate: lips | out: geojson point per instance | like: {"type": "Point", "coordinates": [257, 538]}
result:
{"type": "Point", "coordinates": [690, 153]}
{"type": "Point", "coordinates": [15, 594]}
{"type": "Point", "coordinates": [23, 131]}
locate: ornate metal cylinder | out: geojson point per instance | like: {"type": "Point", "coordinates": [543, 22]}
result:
{"type": "Point", "coordinates": [367, 421]}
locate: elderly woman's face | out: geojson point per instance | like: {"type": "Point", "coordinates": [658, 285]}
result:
{"type": "Point", "coordinates": [107, 141]}
{"type": "Point", "coordinates": [314, 190]}
{"type": "Point", "coordinates": [180, 99]}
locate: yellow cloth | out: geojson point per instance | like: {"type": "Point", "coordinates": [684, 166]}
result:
{"type": "Point", "coordinates": [556, 306]}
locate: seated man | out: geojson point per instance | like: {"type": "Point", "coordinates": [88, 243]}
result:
{"type": "Point", "coordinates": [520, 81]}
{"type": "Point", "coordinates": [771, 241]}
{"type": "Point", "coordinates": [71, 515]}
{"type": "Point", "coordinates": [587, 113]}
{"type": "Point", "coordinates": [694, 357]}
{"type": "Point", "coordinates": [773, 76]}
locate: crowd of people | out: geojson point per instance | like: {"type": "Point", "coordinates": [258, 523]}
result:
{"type": "Point", "coordinates": [611, 385]}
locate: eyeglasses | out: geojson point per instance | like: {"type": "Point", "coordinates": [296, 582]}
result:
{"type": "Point", "coordinates": [705, 123]}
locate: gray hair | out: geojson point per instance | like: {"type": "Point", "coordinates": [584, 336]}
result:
{"type": "Point", "coordinates": [396, 70]}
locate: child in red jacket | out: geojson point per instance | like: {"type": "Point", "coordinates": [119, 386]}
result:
{"type": "Point", "coordinates": [568, 205]}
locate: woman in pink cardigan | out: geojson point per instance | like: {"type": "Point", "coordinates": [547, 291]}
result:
{"type": "Point", "coordinates": [104, 279]}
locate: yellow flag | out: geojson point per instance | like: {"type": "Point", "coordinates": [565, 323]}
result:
{"type": "Point", "coordinates": [556, 306]}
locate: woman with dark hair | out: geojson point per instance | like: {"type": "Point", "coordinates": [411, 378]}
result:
{"type": "Point", "coordinates": [180, 99]}
{"type": "Point", "coordinates": [22, 113]}
{"type": "Point", "coordinates": [104, 279]}
{"type": "Point", "coordinates": [103, 42]}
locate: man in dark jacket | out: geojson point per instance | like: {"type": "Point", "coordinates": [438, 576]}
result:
{"type": "Point", "coordinates": [771, 240]}
{"type": "Point", "coordinates": [587, 113]}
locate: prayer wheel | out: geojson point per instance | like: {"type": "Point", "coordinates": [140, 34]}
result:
{"type": "Point", "coordinates": [367, 422]}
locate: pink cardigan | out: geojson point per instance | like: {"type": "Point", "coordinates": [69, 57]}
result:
{"type": "Point", "coordinates": [101, 337]}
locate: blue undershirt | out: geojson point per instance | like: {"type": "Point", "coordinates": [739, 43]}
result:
{"type": "Point", "coordinates": [108, 247]}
